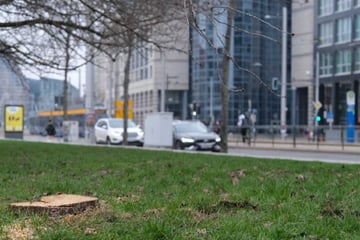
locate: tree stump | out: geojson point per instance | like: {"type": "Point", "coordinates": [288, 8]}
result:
{"type": "Point", "coordinates": [57, 205]}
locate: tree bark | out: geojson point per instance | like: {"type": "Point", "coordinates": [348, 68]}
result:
{"type": "Point", "coordinates": [225, 78]}
{"type": "Point", "coordinates": [126, 92]}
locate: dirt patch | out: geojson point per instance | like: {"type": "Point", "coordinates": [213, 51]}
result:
{"type": "Point", "coordinates": [228, 206]}
{"type": "Point", "coordinates": [328, 209]}
{"type": "Point", "coordinates": [19, 231]}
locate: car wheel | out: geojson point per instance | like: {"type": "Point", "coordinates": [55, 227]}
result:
{"type": "Point", "coordinates": [216, 148]}
{"type": "Point", "coordinates": [178, 145]}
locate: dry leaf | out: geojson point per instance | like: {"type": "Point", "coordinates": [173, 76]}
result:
{"type": "Point", "coordinates": [300, 177]}
{"type": "Point", "coordinates": [89, 231]}
{"type": "Point", "coordinates": [235, 180]}
{"type": "Point", "coordinates": [201, 231]}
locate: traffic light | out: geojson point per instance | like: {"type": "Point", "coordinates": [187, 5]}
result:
{"type": "Point", "coordinates": [195, 109]}
{"type": "Point", "coordinates": [318, 118]}
{"type": "Point", "coordinates": [275, 84]}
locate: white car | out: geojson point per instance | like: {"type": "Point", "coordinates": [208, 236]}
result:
{"type": "Point", "coordinates": [110, 131]}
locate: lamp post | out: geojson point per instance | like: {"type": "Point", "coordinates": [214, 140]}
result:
{"type": "Point", "coordinates": [255, 72]}
{"type": "Point", "coordinates": [283, 74]}
{"type": "Point", "coordinates": [211, 109]}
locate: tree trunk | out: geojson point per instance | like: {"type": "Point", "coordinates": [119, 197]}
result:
{"type": "Point", "coordinates": [126, 92]}
{"type": "Point", "coordinates": [225, 78]}
{"type": "Point", "coordinates": [67, 60]}
{"type": "Point", "coordinates": [57, 205]}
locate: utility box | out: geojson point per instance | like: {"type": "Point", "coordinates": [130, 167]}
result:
{"type": "Point", "coordinates": [71, 131]}
{"type": "Point", "coordinates": [159, 130]}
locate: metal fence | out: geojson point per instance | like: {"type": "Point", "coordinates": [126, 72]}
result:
{"type": "Point", "coordinates": [294, 135]}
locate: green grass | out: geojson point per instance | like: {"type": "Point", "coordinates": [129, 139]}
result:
{"type": "Point", "coordinates": [150, 194]}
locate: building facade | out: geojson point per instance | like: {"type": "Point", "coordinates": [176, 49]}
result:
{"type": "Point", "coordinates": [255, 71]}
{"type": "Point", "coordinates": [337, 29]}
{"type": "Point", "coordinates": [14, 89]}
{"type": "Point", "coordinates": [48, 95]}
{"type": "Point", "coordinates": [303, 63]}
{"type": "Point", "coordinates": [159, 80]}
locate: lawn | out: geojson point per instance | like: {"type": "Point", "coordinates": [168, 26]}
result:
{"type": "Point", "coordinates": [153, 194]}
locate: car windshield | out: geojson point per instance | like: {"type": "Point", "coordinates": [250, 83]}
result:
{"type": "Point", "coordinates": [187, 127]}
{"type": "Point", "coordinates": [119, 123]}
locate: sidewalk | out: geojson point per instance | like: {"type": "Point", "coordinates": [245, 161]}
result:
{"type": "Point", "coordinates": [288, 144]}
{"type": "Point", "coordinates": [352, 148]}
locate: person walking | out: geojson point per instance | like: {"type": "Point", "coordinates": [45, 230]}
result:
{"type": "Point", "coordinates": [50, 129]}
{"type": "Point", "coordinates": [243, 125]}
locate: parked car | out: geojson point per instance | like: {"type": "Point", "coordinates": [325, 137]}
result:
{"type": "Point", "coordinates": [194, 135]}
{"type": "Point", "coordinates": [110, 131]}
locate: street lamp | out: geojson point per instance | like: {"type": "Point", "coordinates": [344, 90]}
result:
{"type": "Point", "coordinates": [255, 73]}
{"type": "Point", "coordinates": [283, 74]}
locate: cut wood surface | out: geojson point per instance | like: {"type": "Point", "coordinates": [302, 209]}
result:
{"type": "Point", "coordinates": [56, 205]}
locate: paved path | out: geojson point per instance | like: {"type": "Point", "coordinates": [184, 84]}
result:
{"type": "Point", "coordinates": [300, 146]}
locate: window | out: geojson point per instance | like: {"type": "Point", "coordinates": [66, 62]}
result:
{"type": "Point", "coordinates": [146, 75]}
{"type": "Point", "coordinates": [343, 61]}
{"type": "Point", "coordinates": [357, 3]}
{"type": "Point", "coordinates": [343, 30]}
{"type": "Point", "coordinates": [326, 33]}
{"type": "Point", "coordinates": [146, 61]}
{"type": "Point", "coordinates": [357, 26]}
{"type": "Point", "coordinates": [326, 7]}
{"type": "Point", "coordinates": [141, 74]}
{"type": "Point", "coordinates": [142, 57]}
{"type": "Point", "coordinates": [343, 5]}
{"type": "Point", "coordinates": [137, 58]}
{"type": "Point", "coordinates": [357, 60]}
{"type": "Point", "coordinates": [325, 64]}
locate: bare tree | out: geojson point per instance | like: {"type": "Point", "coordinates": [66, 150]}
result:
{"type": "Point", "coordinates": [47, 34]}
{"type": "Point", "coordinates": [35, 33]}
{"type": "Point", "coordinates": [226, 76]}
{"type": "Point", "coordinates": [133, 27]}
{"type": "Point", "coordinates": [29, 30]}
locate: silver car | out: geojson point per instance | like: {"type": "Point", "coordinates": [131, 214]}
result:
{"type": "Point", "coordinates": [110, 131]}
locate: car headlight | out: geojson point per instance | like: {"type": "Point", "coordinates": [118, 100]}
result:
{"type": "Point", "coordinates": [218, 139]}
{"type": "Point", "coordinates": [187, 140]}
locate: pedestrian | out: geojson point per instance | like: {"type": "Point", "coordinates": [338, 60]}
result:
{"type": "Point", "coordinates": [50, 129]}
{"type": "Point", "coordinates": [217, 127]}
{"type": "Point", "coordinates": [243, 125]}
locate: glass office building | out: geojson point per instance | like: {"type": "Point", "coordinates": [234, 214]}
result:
{"type": "Point", "coordinates": [255, 71]}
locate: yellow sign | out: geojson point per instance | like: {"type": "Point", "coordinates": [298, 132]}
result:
{"type": "Point", "coordinates": [119, 109]}
{"type": "Point", "coordinates": [14, 118]}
